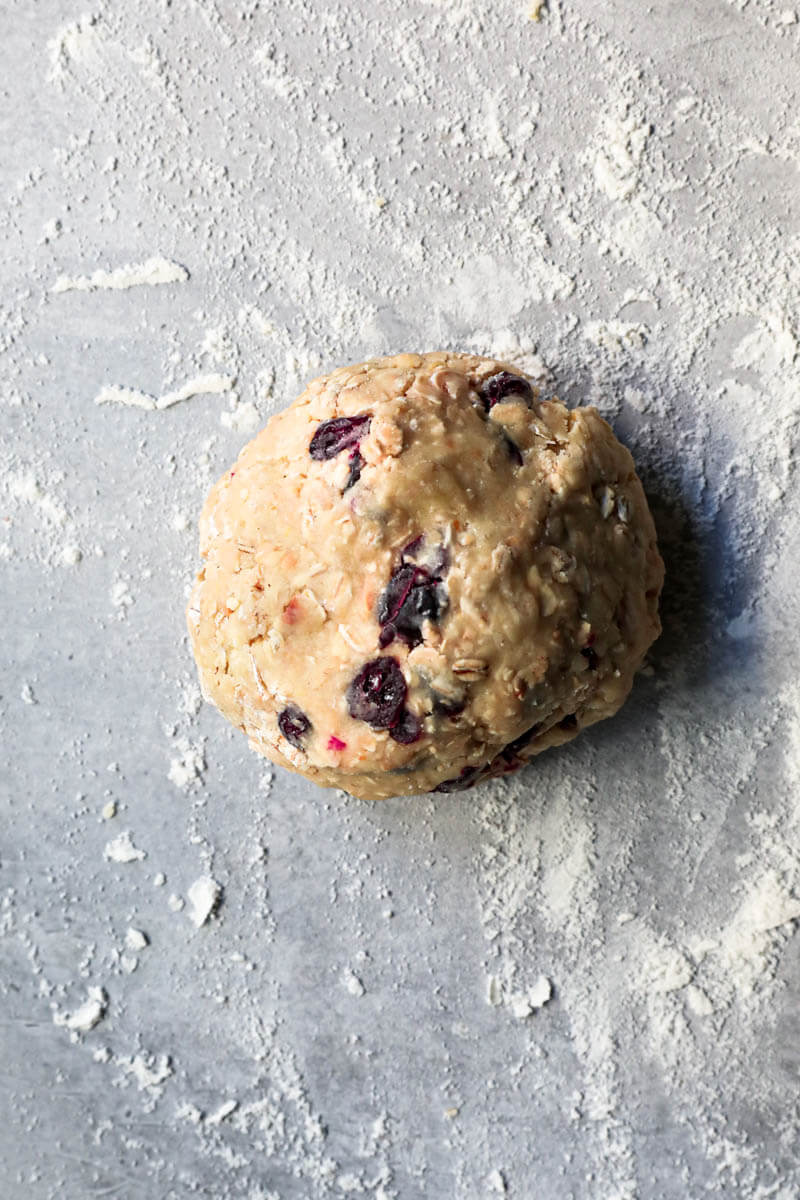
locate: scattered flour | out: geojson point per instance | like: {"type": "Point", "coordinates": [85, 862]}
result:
{"type": "Point", "coordinates": [618, 156]}
{"type": "Point", "coordinates": [221, 1114]}
{"type": "Point", "coordinates": [76, 41]}
{"type": "Point", "coordinates": [629, 236]}
{"type": "Point", "coordinates": [153, 271]}
{"type": "Point", "coordinates": [90, 1013]}
{"type": "Point", "coordinates": [121, 597]}
{"type": "Point", "coordinates": [135, 939]}
{"type": "Point", "coordinates": [148, 1071]}
{"type": "Point", "coordinates": [189, 764]}
{"type": "Point", "coordinates": [243, 418]}
{"type": "Point", "coordinates": [352, 983]}
{"type": "Point", "coordinates": [122, 850]}
{"type": "Point", "coordinates": [496, 1183]}
{"type": "Point", "coordinates": [204, 896]}
{"type": "Point", "coordinates": [666, 970]}
{"type": "Point", "coordinates": [523, 1004]}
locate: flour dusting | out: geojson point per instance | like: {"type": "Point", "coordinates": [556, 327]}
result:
{"type": "Point", "coordinates": [149, 273]}
{"type": "Point", "coordinates": [221, 201]}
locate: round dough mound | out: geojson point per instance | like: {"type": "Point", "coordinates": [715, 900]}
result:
{"type": "Point", "coordinates": [420, 575]}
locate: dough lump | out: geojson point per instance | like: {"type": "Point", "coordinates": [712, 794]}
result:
{"type": "Point", "coordinates": [420, 575]}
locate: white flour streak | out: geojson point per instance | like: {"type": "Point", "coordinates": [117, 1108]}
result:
{"type": "Point", "coordinates": [150, 273]}
{"type": "Point", "coordinates": [199, 385]}
{"type": "Point", "coordinates": [128, 397]}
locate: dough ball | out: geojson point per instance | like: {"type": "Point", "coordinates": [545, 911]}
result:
{"type": "Point", "coordinates": [420, 575]}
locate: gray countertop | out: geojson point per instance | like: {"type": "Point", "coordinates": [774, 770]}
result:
{"type": "Point", "coordinates": [582, 982]}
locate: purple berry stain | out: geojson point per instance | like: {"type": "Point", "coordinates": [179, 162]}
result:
{"type": "Point", "coordinates": [356, 462]}
{"type": "Point", "coordinates": [294, 725]}
{"type": "Point", "coordinates": [341, 433]}
{"type": "Point", "coordinates": [502, 386]}
{"type": "Point", "coordinates": [413, 595]}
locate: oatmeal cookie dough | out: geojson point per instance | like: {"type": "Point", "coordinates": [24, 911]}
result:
{"type": "Point", "coordinates": [420, 574]}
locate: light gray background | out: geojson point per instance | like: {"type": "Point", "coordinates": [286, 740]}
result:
{"type": "Point", "coordinates": [256, 144]}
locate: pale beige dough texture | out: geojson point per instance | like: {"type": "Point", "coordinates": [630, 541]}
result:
{"type": "Point", "coordinates": [537, 542]}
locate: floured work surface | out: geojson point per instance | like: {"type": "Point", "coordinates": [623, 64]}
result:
{"type": "Point", "coordinates": [216, 980]}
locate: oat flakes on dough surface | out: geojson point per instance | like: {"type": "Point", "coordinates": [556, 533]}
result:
{"type": "Point", "coordinates": [419, 574]}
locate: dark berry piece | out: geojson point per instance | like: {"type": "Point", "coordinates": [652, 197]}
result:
{"type": "Point", "coordinates": [413, 548]}
{"type": "Point", "coordinates": [406, 729]}
{"type": "Point", "coordinates": [338, 434]}
{"type": "Point", "coordinates": [378, 693]}
{"type": "Point", "coordinates": [513, 748]}
{"type": "Point", "coordinates": [387, 635]}
{"type": "Point", "coordinates": [460, 783]}
{"type": "Point", "coordinates": [294, 725]}
{"type": "Point", "coordinates": [570, 722]}
{"type": "Point", "coordinates": [396, 592]}
{"type": "Point", "coordinates": [514, 452]}
{"type": "Point", "coordinates": [410, 598]}
{"type": "Point", "coordinates": [444, 707]}
{"type": "Point", "coordinates": [426, 602]}
{"type": "Point", "coordinates": [354, 474]}
{"type": "Point", "coordinates": [590, 655]}
{"type": "Point", "coordinates": [499, 387]}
